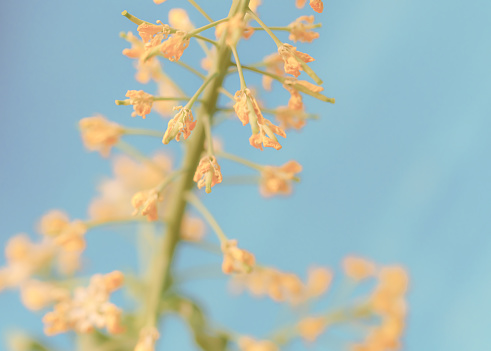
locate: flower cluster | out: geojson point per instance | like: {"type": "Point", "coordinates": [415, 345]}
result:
{"type": "Point", "coordinates": [277, 180]}
{"type": "Point", "coordinates": [100, 134]}
{"type": "Point", "coordinates": [236, 260]}
{"type": "Point", "coordinates": [89, 308]}
{"type": "Point", "coordinates": [285, 287]}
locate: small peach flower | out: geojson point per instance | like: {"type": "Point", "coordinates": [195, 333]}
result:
{"type": "Point", "coordinates": [283, 286]}
{"type": "Point", "coordinates": [24, 259]}
{"type": "Point", "coordinates": [300, 3]}
{"type": "Point", "coordinates": [174, 47]}
{"type": "Point", "coordinates": [89, 308]}
{"type": "Point", "coordinates": [358, 268]}
{"type": "Point", "coordinates": [277, 180]}
{"type": "Point", "coordinates": [137, 47]}
{"type": "Point", "coordinates": [192, 229]}
{"type": "Point", "coordinates": [234, 29]}
{"type": "Point", "coordinates": [182, 124]}
{"type": "Point", "coordinates": [388, 297]}
{"type": "Point", "coordinates": [254, 4]}
{"type": "Point", "coordinates": [147, 339]}
{"type": "Point", "coordinates": [153, 34]}
{"type": "Point", "coordinates": [141, 101]}
{"type": "Point", "coordinates": [53, 223]}
{"type": "Point", "coordinates": [68, 262]}
{"type": "Point", "coordinates": [291, 57]}
{"type": "Point", "coordinates": [208, 173]}
{"type": "Point", "coordinates": [290, 119]}
{"type": "Point", "coordinates": [99, 134]}
{"type": "Point", "coordinates": [236, 260]}
{"type": "Point", "coordinates": [247, 109]}
{"type": "Point", "coordinates": [36, 294]}
{"type": "Point", "coordinates": [311, 327]}
{"type": "Point", "coordinates": [129, 177]}
{"type": "Point", "coordinates": [301, 30]}
{"type": "Point", "coordinates": [296, 102]}
{"type": "Point", "coordinates": [317, 5]}
{"type": "Point", "coordinates": [65, 234]}
{"type": "Point", "coordinates": [147, 68]}
{"type": "Point", "coordinates": [394, 279]}
{"type": "Point", "coordinates": [158, 2]}
{"type": "Point", "coordinates": [113, 281]}
{"type": "Point", "coordinates": [246, 106]}
{"type": "Point", "coordinates": [266, 135]}
{"type": "Point", "coordinates": [273, 64]}
{"type": "Point", "coordinates": [145, 203]}
{"type": "Point", "coordinates": [72, 236]}
{"type": "Point", "coordinates": [247, 343]}
{"type": "Point", "coordinates": [319, 280]}
{"type": "Point", "coordinates": [179, 19]}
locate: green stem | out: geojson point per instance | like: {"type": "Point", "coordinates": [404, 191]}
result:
{"type": "Point", "coordinates": [209, 25]}
{"type": "Point", "coordinates": [226, 93]}
{"type": "Point", "coordinates": [205, 39]}
{"type": "Point", "coordinates": [200, 90]}
{"type": "Point", "coordinates": [161, 98]}
{"type": "Point", "coordinates": [132, 18]}
{"type": "Point", "coordinates": [209, 136]}
{"type": "Point", "coordinates": [299, 87]}
{"type": "Point", "coordinates": [241, 180]}
{"type": "Point", "coordinates": [142, 131]}
{"type": "Point", "coordinates": [243, 85]}
{"type": "Point", "coordinates": [240, 160]}
{"type": "Point", "coordinates": [197, 7]}
{"type": "Point", "coordinates": [308, 70]}
{"type": "Point", "coordinates": [155, 98]}
{"type": "Point", "coordinates": [177, 203]}
{"type": "Point", "coordinates": [205, 245]}
{"type": "Point", "coordinates": [169, 179]}
{"type": "Point", "coordinates": [101, 223]}
{"type": "Point", "coordinates": [273, 28]}
{"type": "Point", "coordinates": [272, 75]}
{"type": "Point", "coordinates": [196, 202]}
{"type": "Point", "coordinates": [191, 69]}
{"type": "Point", "coordinates": [266, 28]}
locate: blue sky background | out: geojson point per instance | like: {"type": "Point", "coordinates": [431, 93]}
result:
{"type": "Point", "coordinates": [397, 170]}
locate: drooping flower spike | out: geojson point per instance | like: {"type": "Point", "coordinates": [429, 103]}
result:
{"type": "Point", "coordinates": [301, 30]}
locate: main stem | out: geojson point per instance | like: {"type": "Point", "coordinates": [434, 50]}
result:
{"type": "Point", "coordinates": [177, 204]}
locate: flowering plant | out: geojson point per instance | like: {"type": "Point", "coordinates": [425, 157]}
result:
{"type": "Point", "coordinates": [150, 189]}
